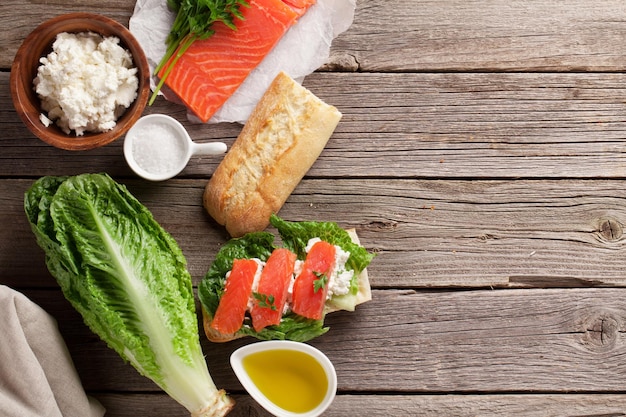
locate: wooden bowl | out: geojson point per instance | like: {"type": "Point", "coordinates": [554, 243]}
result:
{"type": "Point", "coordinates": [38, 44]}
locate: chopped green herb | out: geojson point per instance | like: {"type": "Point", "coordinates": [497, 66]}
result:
{"type": "Point", "coordinates": [320, 282]}
{"type": "Point", "coordinates": [194, 21]}
{"type": "Point", "coordinates": [266, 301]}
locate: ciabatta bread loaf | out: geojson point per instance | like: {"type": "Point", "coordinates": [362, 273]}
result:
{"type": "Point", "coordinates": [279, 143]}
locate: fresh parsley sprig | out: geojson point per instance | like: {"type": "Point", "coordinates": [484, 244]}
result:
{"type": "Point", "coordinates": [264, 300]}
{"type": "Point", "coordinates": [320, 282]}
{"type": "Point", "coordinates": [194, 21]}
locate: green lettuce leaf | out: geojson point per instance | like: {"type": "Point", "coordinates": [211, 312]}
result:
{"type": "Point", "coordinates": [291, 327]}
{"type": "Point", "coordinates": [295, 236]}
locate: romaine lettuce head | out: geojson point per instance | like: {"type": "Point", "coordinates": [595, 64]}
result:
{"type": "Point", "coordinates": [128, 279]}
{"type": "Point", "coordinates": [295, 236]}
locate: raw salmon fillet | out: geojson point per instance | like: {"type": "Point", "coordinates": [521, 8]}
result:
{"type": "Point", "coordinates": [274, 285]}
{"type": "Point", "coordinates": [231, 310]}
{"type": "Point", "coordinates": [308, 301]}
{"type": "Point", "coordinates": [300, 6]}
{"type": "Point", "coordinates": [210, 71]}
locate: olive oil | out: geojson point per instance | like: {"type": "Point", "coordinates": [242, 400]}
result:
{"type": "Point", "coordinates": [292, 380]}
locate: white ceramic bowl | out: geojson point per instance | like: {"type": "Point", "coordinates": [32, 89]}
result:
{"type": "Point", "coordinates": [158, 147]}
{"type": "Point", "coordinates": [38, 44]}
{"type": "Point", "coordinates": [237, 361]}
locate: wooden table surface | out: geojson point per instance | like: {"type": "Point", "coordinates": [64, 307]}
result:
{"type": "Point", "coordinates": [480, 155]}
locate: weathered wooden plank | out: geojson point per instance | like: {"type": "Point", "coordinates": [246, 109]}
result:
{"type": "Point", "coordinates": [418, 342]}
{"type": "Point", "coordinates": [130, 405]}
{"type": "Point", "coordinates": [419, 405]}
{"type": "Point", "coordinates": [22, 153]}
{"type": "Point", "coordinates": [500, 35]}
{"type": "Point", "coordinates": [18, 18]}
{"type": "Point", "coordinates": [409, 125]}
{"type": "Point", "coordinates": [455, 35]}
{"type": "Point", "coordinates": [426, 233]}
{"type": "Point", "coordinates": [439, 99]}
{"type": "Point", "coordinates": [480, 405]}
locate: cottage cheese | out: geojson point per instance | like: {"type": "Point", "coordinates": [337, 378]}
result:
{"type": "Point", "coordinates": [339, 280]}
{"type": "Point", "coordinates": [86, 82]}
{"type": "Point", "coordinates": [255, 281]}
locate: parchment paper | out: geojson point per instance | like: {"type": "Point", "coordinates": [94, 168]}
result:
{"type": "Point", "coordinates": [303, 49]}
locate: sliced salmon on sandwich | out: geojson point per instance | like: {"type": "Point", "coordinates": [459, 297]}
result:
{"type": "Point", "coordinates": [271, 294]}
{"type": "Point", "coordinates": [233, 304]}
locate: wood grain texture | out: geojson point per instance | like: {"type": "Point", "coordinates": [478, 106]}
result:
{"type": "Point", "coordinates": [425, 233]}
{"type": "Point", "coordinates": [428, 35]}
{"type": "Point", "coordinates": [18, 18]}
{"type": "Point", "coordinates": [410, 125]}
{"type": "Point", "coordinates": [393, 405]}
{"type": "Point", "coordinates": [482, 341]}
{"type": "Point", "coordinates": [498, 35]}
{"type": "Point", "coordinates": [480, 156]}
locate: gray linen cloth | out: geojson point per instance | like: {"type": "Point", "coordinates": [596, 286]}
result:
{"type": "Point", "coordinates": [37, 375]}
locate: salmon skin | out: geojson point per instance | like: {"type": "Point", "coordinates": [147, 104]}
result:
{"type": "Point", "coordinates": [232, 308]}
{"type": "Point", "coordinates": [271, 293]}
{"type": "Point", "coordinates": [211, 69]}
{"type": "Point", "coordinates": [311, 286]}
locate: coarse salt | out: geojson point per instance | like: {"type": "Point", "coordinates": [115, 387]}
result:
{"type": "Point", "coordinates": [159, 149]}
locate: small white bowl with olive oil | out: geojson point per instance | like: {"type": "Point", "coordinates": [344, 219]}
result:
{"type": "Point", "coordinates": [288, 379]}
